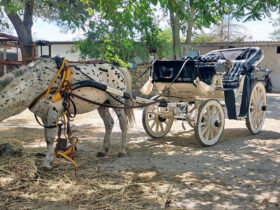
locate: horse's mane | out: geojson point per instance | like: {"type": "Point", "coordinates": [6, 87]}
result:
{"type": "Point", "coordinates": [8, 78]}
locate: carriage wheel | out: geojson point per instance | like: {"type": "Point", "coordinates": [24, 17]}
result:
{"type": "Point", "coordinates": [157, 125]}
{"type": "Point", "coordinates": [210, 122]}
{"type": "Point", "coordinates": [191, 115]}
{"type": "Point", "coordinates": [257, 108]}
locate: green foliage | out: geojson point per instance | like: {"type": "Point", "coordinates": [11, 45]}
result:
{"type": "Point", "coordinates": [5, 26]}
{"type": "Point", "coordinates": [106, 43]}
{"type": "Point", "coordinates": [67, 13]}
{"type": "Point", "coordinates": [104, 50]}
{"type": "Point", "coordinates": [160, 40]}
{"type": "Point", "coordinates": [203, 38]}
{"type": "Point", "coordinates": [275, 35]}
{"type": "Point", "coordinates": [227, 30]}
{"type": "Point", "coordinates": [117, 27]}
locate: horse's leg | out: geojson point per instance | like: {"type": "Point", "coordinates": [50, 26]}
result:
{"type": "Point", "coordinates": [109, 123]}
{"type": "Point", "coordinates": [50, 134]}
{"type": "Point", "coordinates": [123, 124]}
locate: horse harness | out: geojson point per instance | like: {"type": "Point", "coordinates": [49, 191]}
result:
{"type": "Point", "coordinates": [64, 91]}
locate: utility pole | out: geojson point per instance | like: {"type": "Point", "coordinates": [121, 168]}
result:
{"type": "Point", "coordinates": [222, 31]}
{"type": "Point", "coordinates": [228, 26]}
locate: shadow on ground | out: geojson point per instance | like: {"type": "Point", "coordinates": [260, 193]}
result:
{"type": "Point", "coordinates": [242, 171]}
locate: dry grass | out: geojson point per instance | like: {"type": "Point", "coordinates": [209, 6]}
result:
{"type": "Point", "coordinates": [24, 185]}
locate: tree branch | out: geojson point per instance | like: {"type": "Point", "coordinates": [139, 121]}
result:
{"type": "Point", "coordinates": [190, 26]}
{"type": "Point", "coordinates": [17, 23]}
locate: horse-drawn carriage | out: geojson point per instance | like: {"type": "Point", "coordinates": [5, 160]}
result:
{"type": "Point", "coordinates": [198, 90]}
{"type": "Point", "coordinates": [193, 90]}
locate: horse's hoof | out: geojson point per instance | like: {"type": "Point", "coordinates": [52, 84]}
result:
{"type": "Point", "coordinates": [46, 166]}
{"type": "Point", "coordinates": [122, 154]}
{"type": "Point", "coordinates": [101, 154]}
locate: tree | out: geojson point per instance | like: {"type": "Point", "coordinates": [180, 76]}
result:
{"type": "Point", "coordinates": [160, 40]}
{"type": "Point", "coordinates": [229, 31]}
{"type": "Point", "coordinates": [275, 35]}
{"type": "Point", "coordinates": [123, 24]}
{"type": "Point", "coordinates": [73, 13]}
{"type": "Point", "coordinates": [5, 26]}
{"type": "Point", "coordinates": [203, 38]}
{"type": "Point", "coordinates": [21, 14]}
{"type": "Point", "coordinates": [198, 14]}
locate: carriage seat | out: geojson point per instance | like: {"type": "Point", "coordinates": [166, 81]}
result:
{"type": "Point", "coordinates": [231, 79]}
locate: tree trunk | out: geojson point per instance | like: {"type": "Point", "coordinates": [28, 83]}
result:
{"type": "Point", "coordinates": [23, 29]}
{"type": "Point", "coordinates": [175, 28]}
{"type": "Point", "coordinates": [190, 26]}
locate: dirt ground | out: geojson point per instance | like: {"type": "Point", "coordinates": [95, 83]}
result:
{"type": "Point", "coordinates": [240, 172]}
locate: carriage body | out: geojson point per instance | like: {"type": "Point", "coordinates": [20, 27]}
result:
{"type": "Point", "coordinates": [206, 87]}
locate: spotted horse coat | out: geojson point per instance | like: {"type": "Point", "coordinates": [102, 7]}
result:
{"type": "Point", "coordinates": [19, 89]}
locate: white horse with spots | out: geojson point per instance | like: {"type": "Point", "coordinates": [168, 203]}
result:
{"type": "Point", "coordinates": [19, 89]}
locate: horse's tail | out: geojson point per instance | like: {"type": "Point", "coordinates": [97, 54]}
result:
{"type": "Point", "coordinates": [128, 81]}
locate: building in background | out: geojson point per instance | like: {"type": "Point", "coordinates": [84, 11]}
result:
{"type": "Point", "coordinates": [10, 54]}
{"type": "Point", "coordinates": [63, 49]}
{"type": "Point", "coordinates": [271, 51]}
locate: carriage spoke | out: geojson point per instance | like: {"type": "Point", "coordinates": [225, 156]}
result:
{"type": "Point", "coordinates": [252, 106]}
{"type": "Point", "coordinates": [157, 126]}
{"type": "Point", "coordinates": [207, 133]}
{"type": "Point", "coordinates": [211, 134]}
{"type": "Point", "coordinates": [153, 124]}
{"type": "Point", "coordinates": [216, 129]}
{"type": "Point", "coordinates": [161, 126]}
{"type": "Point", "coordinates": [203, 131]}
{"type": "Point", "coordinates": [157, 121]}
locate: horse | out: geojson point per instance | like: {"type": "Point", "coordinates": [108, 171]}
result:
{"type": "Point", "coordinates": [21, 87]}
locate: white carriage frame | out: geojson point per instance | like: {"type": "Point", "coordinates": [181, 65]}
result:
{"type": "Point", "coordinates": [203, 108]}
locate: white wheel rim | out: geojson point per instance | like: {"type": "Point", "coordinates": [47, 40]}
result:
{"type": "Point", "coordinates": [211, 123]}
{"type": "Point", "coordinates": [256, 112]}
{"type": "Point", "coordinates": [158, 125]}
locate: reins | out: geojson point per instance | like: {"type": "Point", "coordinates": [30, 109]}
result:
{"type": "Point", "coordinates": [73, 95]}
{"type": "Point", "coordinates": [64, 91]}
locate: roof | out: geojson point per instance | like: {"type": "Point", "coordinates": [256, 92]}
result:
{"type": "Point", "coordinates": [62, 42]}
{"type": "Point", "coordinates": [249, 43]}
{"type": "Point", "coordinates": [6, 37]}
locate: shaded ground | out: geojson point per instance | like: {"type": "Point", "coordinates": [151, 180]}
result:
{"type": "Point", "coordinates": [241, 171]}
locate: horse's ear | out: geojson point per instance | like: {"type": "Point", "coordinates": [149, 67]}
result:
{"type": "Point", "coordinates": [7, 79]}
{"type": "Point", "coordinates": [58, 61]}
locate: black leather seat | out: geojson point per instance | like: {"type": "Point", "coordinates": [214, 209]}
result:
{"type": "Point", "coordinates": [232, 78]}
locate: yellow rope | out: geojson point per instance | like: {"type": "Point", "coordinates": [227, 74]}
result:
{"type": "Point", "coordinates": [66, 79]}
{"type": "Point", "coordinates": [69, 153]}
{"type": "Point", "coordinates": [54, 79]}
{"type": "Point", "coordinates": [70, 159]}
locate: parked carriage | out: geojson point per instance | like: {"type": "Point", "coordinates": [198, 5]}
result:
{"type": "Point", "coordinates": [199, 90]}
{"type": "Point", "coordinates": [193, 90]}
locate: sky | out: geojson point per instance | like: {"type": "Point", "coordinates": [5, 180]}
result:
{"type": "Point", "coordinates": [259, 30]}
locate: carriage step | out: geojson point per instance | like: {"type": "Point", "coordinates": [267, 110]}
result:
{"type": "Point", "coordinates": [222, 89]}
